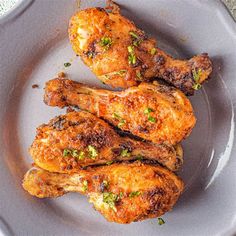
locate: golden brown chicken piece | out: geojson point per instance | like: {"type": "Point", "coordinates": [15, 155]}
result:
{"type": "Point", "coordinates": [121, 55]}
{"type": "Point", "coordinates": [158, 113]}
{"type": "Point", "coordinates": [122, 193]}
{"type": "Point", "coordinates": [79, 139]}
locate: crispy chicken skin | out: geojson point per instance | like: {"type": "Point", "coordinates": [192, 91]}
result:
{"type": "Point", "coordinates": [157, 113]}
{"type": "Point", "coordinates": [79, 139]}
{"type": "Point", "coordinates": [122, 193]}
{"type": "Point", "coordinates": [121, 55]}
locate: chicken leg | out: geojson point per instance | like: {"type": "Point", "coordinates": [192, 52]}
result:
{"type": "Point", "coordinates": [122, 193]}
{"type": "Point", "coordinates": [79, 139]}
{"type": "Point", "coordinates": [157, 113]}
{"type": "Point", "coordinates": [121, 55]}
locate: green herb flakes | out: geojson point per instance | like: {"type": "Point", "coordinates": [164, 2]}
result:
{"type": "Point", "coordinates": [120, 73]}
{"type": "Point", "coordinates": [196, 75]}
{"type": "Point", "coordinates": [81, 155]}
{"type": "Point", "coordinates": [131, 57]}
{"type": "Point", "coordinates": [134, 194]}
{"type": "Point", "coordinates": [130, 49]}
{"type": "Point", "coordinates": [115, 115]}
{"type": "Point", "coordinates": [92, 152]}
{"type": "Point", "coordinates": [152, 119]}
{"type": "Point", "coordinates": [135, 38]}
{"type": "Point", "coordinates": [153, 51]}
{"type": "Point", "coordinates": [160, 221]}
{"type": "Point", "coordinates": [66, 152]}
{"type": "Point", "coordinates": [121, 123]}
{"type": "Point", "coordinates": [119, 118]}
{"type": "Point", "coordinates": [67, 64]}
{"type": "Point", "coordinates": [147, 112]}
{"type": "Point", "coordinates": [109, 163]}
{"type": "Point", "coordinates": [196, 78]}
{"type": "Point", "coordinates": [125, 153]}
{"type": "Point", "coordinates": [139, 76]}
{"type": "Point", "coordinates": [197, 86]}
{"type": "Point", "coordinates": [74, 153]}
{"type": "Point", "coordinates": [85, 186]}
{"type": "Point", "coordinates": [106, 42]}
{"type": "Point", "coordinates": [139, 157]}
{"type": "Point", "coordinates": [110, 199]}
{"type": "Point", "coordinates": [134, 35]}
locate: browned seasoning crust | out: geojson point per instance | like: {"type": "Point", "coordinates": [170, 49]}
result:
{"type": "Point", "coordinates": [79, 139]}
{"type": "Point", "coordinates": [143, 191]}
{"type": "Point", "coordinates": [129, 56]}
{"type": "Point", "coordinates": [170, 119]}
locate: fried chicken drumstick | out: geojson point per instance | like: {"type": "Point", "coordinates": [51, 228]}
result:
{"type": "Point", "coordinates": [121, 55]}
{"type": "Point", "coordinates": [157, 113]}
{"type": "Point", "coordinates": [122, 193]}
{"type": "Point", "coordinates": [79, 139]}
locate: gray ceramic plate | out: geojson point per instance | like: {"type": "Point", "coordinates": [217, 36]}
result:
{"type": "Point", "coordinates": [33, 47]}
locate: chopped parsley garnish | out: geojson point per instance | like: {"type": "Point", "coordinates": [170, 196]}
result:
{"type": "Point", "coordinates": [139, 157]}
{"type": "Point", "coordinates": [134, 194]}
{"type": "Point", "coordinates": [121, 120]}
{"type": "Point", "coordinates": [115, 115]}
{"type": "Point", "coordinates": [134, 34]}
{"type": "Point", "coordinates": [67, 64]}
{"type": "Point", "coordinates": [153, 51]}
{"type": "Point", "coordinates": [130, 49]}
{"type": "Point", "coordinates": [66, 152]}
{"type": "Point", "coordinates": [74, 153]}
{"type": "Point", "coordinates": [109, 163]}
{"type": "Point", "coordinates": [197, 86]}
{"type": "Point", "coordinates": [85, 186]}
{"type": "Point", "coordinates": [147, 111]}
{"type": "Point", "coordinates": [196, 78]}
{"type": "Point", "coordinates": [135, 38]}
{"type": "Point", "coordinates": [136, 43]}
{"type": "Point", "coordinates": [152, 119]}
{"type": "Point", "coordinates": [81, 155]}
{"type": "Point", "coordinates": [120, 73]}
{"type": "Point", "coordinates": [106, 42]}
{"type": "Point", "coordinates": [93, 153]}
{"type": "Point", "coordinates": [196, 75]}
{"type": "Point", "coordinates": [121, 123]}
{"type": "Point", "coordinates": [110, 199]}
{"type": "Point", "coordinates": [121, 195]}
{"type": "Point", "coordinates": [160, 221]}
{"type": "Point", "coordinates": [131, 57]}
{"type": "Point", "coordinates": [125, 153]}
{"type": "Point", "coordinates": [138, 74]}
